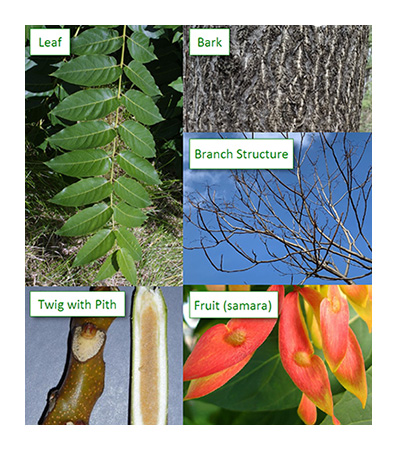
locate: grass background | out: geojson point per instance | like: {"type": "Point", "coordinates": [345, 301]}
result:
{"type": "Point", "coordinates": [49, 257]}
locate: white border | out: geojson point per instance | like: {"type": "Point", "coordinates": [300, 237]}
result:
{"type": "Point", "coordinates": [12, 225]}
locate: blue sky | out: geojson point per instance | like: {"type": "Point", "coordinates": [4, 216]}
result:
{"type": "Point", "coordinates": [197, 268]}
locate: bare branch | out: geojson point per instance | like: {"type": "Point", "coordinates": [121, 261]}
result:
{"type": "Point", "coordinates": [309, 222]}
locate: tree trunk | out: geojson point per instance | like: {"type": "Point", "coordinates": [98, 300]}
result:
{"type": "Point", "coordinates": [278, 78]}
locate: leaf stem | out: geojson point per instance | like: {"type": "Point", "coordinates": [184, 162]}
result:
{"type": "Point", "coordinates": [117, 120]}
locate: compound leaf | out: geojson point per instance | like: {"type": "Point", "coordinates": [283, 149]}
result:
{"type": "Point", "coordinates": [95, 69]}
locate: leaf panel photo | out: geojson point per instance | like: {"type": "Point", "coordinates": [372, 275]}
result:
{"type": "Point", "coordinates": [103, 144]}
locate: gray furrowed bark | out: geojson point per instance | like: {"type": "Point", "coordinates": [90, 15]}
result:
{"type": "Point", "coordinates": [278, 78]}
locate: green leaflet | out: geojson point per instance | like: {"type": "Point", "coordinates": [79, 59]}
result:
{"type": "Point", "coordinates": [81, 163]}
{"type": "Point", "coordinates": [88, 104]}
{"type": "Point", "coordinates": [96, 41]}
{"type": "Point", "coordinates": [142, 78]}
{"type": "Point", "coordinates": [348, 408]}
{"type": "Point", "coordinates": [140, 47]}
{"type": "Point", "coordinates": [83, 135]}
{"type": "Point", "coordinates": [177, 84]}
{"type": "Point", "coordinates": [132, 192]}
{"type": "Point", "coordinates": [138, 138]}
{"type": "Point", "coordinates": [97, 246]}
{"type": "Point", "coordinates": [149, 33]}
{"type": "Point", "coordinates": [127, 265]}
{"type": "Point", "coordinates": [138, 167]}
{"type": "Point", "coordinates": [109, 268]}
{"type": "Point", "coordinates": [126, 240]}
{"type": "Point", "coordinates": [142, 107]}
{"type": "Point", "coordinates": [128, 216]}
{"type": "Point", "coordinates": [84, 192]}
{"type": "Point", "coordinates": [90, 70]}
{"type": "Point", "coordinates": [87, 221]}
